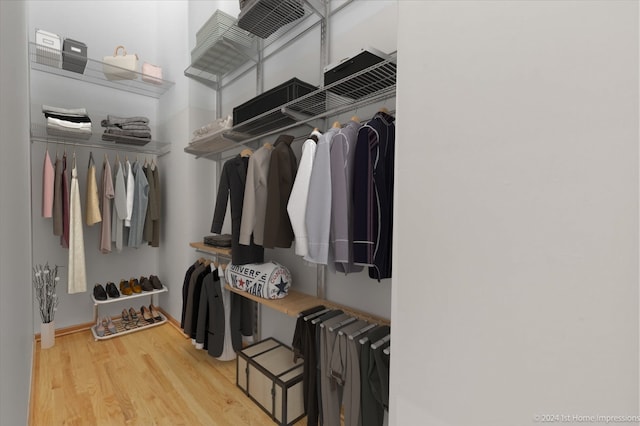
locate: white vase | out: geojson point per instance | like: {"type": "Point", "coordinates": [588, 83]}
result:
{"type": "Point", "coordinates": [47, 334]}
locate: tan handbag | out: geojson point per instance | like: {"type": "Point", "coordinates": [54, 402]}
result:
{"type": "Point", "coordinates": [120, 67]}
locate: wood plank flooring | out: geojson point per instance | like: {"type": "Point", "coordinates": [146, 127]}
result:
{"type": "Point", "coordinates": [153, 377]}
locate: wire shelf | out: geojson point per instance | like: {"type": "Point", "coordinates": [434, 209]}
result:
{"type": "Point", "coordinates": [39, 134]}
{"type": "Point", "coordinates": [228, 46]}
{"type": "Point", "coordinates": [50, 61]}
{"type": "Point", "coordinates": [368, 86]}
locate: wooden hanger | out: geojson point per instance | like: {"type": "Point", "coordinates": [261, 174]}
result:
{"type": "Point", "coordinates": [336, 125]}
{"type": "Point", "coordinates": [383, 109]}
{"type": "Point", "coordinates": [267, 145]}
{"type": "Point", "coordinates": [315, 129]}
{"type": "Point", "coordinates": [246, 153]}
{"type": "Point", "coordinates": [355, 118]}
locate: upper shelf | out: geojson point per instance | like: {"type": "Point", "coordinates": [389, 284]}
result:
{"type": "Point", "coordinates": [218, 251]}
{"type": "Point", "coordinates": [45, 59]}
{"type": "Point", "coordinates": [368, 86]}
{"type": "Point", "coordinates": [227, 49]}
{"type": "Point", "coordinates": [39, 134]}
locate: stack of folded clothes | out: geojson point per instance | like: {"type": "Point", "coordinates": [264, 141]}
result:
{"type": "Point", "coordinates": [128, 130]}
{"type": "Point", "coordinates": [210, 129]}
{"type": "Point", "coordinates": [67, 122]}
{"type": "Point", "coordinates": [223, 240]}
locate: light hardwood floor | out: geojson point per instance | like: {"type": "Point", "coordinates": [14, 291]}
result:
{"type": "Point", "coordinates": [153, 377]}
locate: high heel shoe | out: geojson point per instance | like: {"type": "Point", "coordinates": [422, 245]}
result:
{"type": "Point", "coordinates": [134, 316]}
{"type": "Point", "coordinates": [110, 325]}
{"type": "Point", "coordinates": [125, 319]}
{"type": "Point", "coordinates": [146, 315]}
{"type": "Point", "coordinates": [154, 313]}
{"type": "Point", "coordinates": [99, 328]}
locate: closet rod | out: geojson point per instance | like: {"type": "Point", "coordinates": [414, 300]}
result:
{"type": "Point", "coordinates": [98, 146]}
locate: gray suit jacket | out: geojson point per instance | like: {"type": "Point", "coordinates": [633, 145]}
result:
{"type": "Point", "coordinates": [140, 201]}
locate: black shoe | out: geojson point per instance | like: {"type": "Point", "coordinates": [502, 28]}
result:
{"type": "Point", "coordinates": [155, 281]}
{"type": "Point", "coordinates": [99, 293]}
{"type": "Point", "coordinates": [112, 291]}
{"type": "Point", "coordinates": [146, 284]}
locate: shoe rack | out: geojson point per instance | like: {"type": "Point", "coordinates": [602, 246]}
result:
{"type": "Point", "coordinates": [123, 327]}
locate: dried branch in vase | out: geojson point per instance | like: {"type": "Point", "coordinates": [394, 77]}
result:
{"type": "Point", "coordinates": [45, 280]}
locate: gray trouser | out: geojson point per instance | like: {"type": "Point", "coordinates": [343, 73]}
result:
{"type": "Point", "coordinates": [345, 372]}
{"type": "Point", "coordinates": [331, 393]}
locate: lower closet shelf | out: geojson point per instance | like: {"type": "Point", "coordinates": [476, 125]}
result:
{"type": "Point", "coordinates": [295, 302]}
{"type": "Point", "coordinates": [122, 328]}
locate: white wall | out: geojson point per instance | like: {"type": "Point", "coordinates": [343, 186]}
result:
{"type": "Point", "coordinates": [516, 286]}
{"type": "Point", "coordinates": [92, 23]}
{"type": "Point", "coordinates": [16, 337]}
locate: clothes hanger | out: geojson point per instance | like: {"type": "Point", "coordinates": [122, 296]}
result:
{"type": "Point", "coordinates": [387, 350]}
{"type": "Point", "coordinates": [381, 342]}
{"type": "Point", "coordinates": [316, 314]}
{"type": "Point", "coordinates": [267, 145]}
{"type": "Point", "coordinates": [385, 110]}
{"type": "Point", "coordinates": [355, 118]}
{"type": "Point", "coordinates": [364, 329]}
{"type": "Point", "coordinates": [327, 316]}
{"type": "Point", "coordinates": [246, 153]}
{"type": "Point", "coordinates": [342, 324]}
{"type": "Point", "coordinates": [323, 324]}
{"type": "Point", "coordinates": [336, 125]}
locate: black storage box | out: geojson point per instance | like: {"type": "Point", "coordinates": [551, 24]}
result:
{"type": "Point", "coordinates": [74, 55]}
{"type": "Point", "coordinates": [267, 373]}
{"type": "Point", "coordinates": [264, 17]}
{"type": "Point", "coordinates": [271, 99]}
{"type": "Point", "coordinates": [366, 83]}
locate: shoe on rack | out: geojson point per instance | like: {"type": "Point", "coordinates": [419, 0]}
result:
{"type": "Point", "coordinates": [125, 316]}
{"type": "Point", "coordinates": [154, 313]}
{"type": "Point", "coordinates": [135, 285]}
{"type": "Point", "coordinates": [110, 325]}
{"type": "Point", "coordinates": [99, 293]}
{"type": "Point", "coordinates": [146, 284]}
{"type": "Point", "coordinates": [146, 315]}
{"type": "Point", "coordinates": [155, 281]}
{"type": "Point", "coordinates": [134, 316]}
{"type": "Point", "coordinates": [99, 328]}
{"type": "Point", "coordinates": [112, 291]}
{"type": "Point", "coordinates": [125, 288]}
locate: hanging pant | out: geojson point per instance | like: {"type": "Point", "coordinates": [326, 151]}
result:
{"type": "Point", "coordinates": [331, 393]}
{"type": "Point", "coordinates": [372, 412]}
{"type": "Point", "coordinates": [345, 371]}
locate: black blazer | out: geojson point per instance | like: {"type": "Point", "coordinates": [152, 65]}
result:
{"type": "Point", "coordinates": [211, 317]}
{"type": "Point", "coordinates": [232, 182]}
